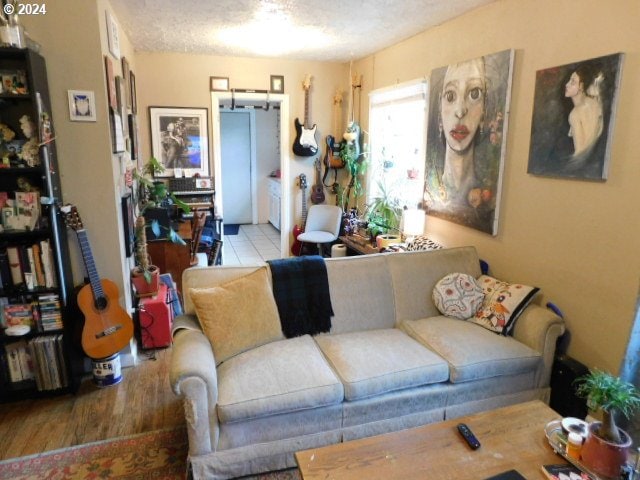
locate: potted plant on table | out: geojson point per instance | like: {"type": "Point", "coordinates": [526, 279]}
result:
{"type": "Point", "coordinates": [605, 449]}
{"type": "Point", "coordinates": [383, 216]}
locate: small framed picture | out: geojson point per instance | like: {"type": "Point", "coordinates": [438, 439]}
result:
{"type": "Point", "coordinates": [277, 84]}
{"type": "Point", "coordinates": [113, 36]}
{"type": "Point", "coordinates": [82, 105]}
{"type": "Point", "coordinates": [219, 84]}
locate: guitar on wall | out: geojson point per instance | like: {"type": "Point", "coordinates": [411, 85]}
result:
{"type": "Point", "coordinates": [317, 190]}
{"type": "Point", "coordinates": [305, 144]}
{"type": "Point", "coordinates": [296, 248]}
{"type": "Point", "coordinates": [332, 158]}
{"type": "Point", "coordinates": [107, 326]}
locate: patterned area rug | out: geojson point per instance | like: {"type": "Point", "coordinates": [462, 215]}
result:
{"type": "Point", "coordinates": [159, 455]}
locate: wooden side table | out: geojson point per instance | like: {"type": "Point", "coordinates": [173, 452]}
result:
{"type": "Point", "coordinates": [358, 245]}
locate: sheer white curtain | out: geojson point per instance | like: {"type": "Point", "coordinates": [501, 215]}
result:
{"type": "Point", "coordinates": [397, 138]}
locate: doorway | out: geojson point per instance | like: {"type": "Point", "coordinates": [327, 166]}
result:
{"type": "Point", "coordinates": [238, 99]}
{"type": "Point", "coordinates": [238, 148]}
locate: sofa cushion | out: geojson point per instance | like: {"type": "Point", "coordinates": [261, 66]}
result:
{"type": "Point", "coordinates": [238, 315]}
{"type": "Point", "coordinates": [472, 352]}
{"type": "Point", "coordinates": [503, 303]}
{"type": "Point", "coordinates": [283, 376]}
{"type": "Point", "coordinates": [458, 295]}
{"type": "Point", "coordinates": [380, 361]}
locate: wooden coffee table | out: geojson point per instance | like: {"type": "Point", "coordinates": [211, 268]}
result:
{"type": "Point", "coordinates": [511, 437]}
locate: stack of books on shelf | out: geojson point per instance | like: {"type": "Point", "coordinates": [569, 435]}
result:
{"type": "Point", "coordinates": [41, 313]}
{"type": "Point", "coordinates": [49, 316]}
{"type": "Point", "coordinates": [40, 359]}
{"type": "Point", "coordinates": [28, 265]}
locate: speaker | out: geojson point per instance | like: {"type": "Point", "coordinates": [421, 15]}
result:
{"type": "Point", "coordinates": [564, 400]}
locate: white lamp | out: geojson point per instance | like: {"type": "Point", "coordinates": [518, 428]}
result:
{"type": "Point", "coordinates": [412, 223]}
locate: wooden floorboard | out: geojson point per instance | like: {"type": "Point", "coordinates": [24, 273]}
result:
{"type": "Point", "coordinates": [142, 402]}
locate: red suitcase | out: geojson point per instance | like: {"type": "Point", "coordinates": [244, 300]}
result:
{"type": "Point", "coordinates": [155, 318]}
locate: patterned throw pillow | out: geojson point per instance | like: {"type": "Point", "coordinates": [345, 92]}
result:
{"type": "Point", "coordinates": [503, 303]}
{"type": "Point", "coordinates": [458, 295]}
{"type": "Point", "coordinates": [422, 242]}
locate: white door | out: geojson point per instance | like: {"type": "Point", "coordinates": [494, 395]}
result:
{"type": "Point", "coordinates": [237, 150]}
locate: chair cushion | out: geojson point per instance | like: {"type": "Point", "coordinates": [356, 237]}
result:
{"type": "Point", "coordinates": [316, 237]}
{"type": "Point", "coordinates": [238, 315]}
{"type": "Point", "coordinates": [472, 352]}
{"type": "Point", "coordinates": [288, 375]}
{"type": "Point", "coordinates": [379, 361]}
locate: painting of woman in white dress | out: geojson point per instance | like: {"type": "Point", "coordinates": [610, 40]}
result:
{"type": "Point", "coordinates": [573, 118]}
{"type": "Point", "coordinates": [468, 109]}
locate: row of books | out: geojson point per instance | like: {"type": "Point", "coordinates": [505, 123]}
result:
{"type": "Point", "coordinates": [28, 266]}
{"type": "Point", "coordinates": [42, 313]}
{"type": "Point", "coordinates": [40, 359]}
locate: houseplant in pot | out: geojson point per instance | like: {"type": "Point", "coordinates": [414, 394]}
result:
{"type": "Point", "coordinates": [606, 447]}
{"type": "Point", "coordinates": [383, 217]}
{"type": "Point", "coordinates": [144, 276]}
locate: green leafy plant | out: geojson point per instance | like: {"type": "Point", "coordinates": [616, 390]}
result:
{"type": "Point", "coordinates": [383, 213]}
{"type": "Point", "coordinates": [356, 164]}
{"type": "Point", "coordinates": [609, 394]}
{"type": "Point", "coordinates": [154, 192]}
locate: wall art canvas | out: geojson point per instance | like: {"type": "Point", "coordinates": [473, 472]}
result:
{"type": "Point", "coordinates": [466, 140]}
{"type": "Point", "coordinates": [179, 139]}
{"type": "Point", "coordinates": [573, 115]}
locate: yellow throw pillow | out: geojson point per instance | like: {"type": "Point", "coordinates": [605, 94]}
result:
{"type": "Point", "coordinates": [238, 315]}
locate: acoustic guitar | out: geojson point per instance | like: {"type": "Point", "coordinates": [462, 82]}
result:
{"type": "Point", "coordinates": [107, 326]}
{"type": "Point", "coordinates": [317, 189]}
{"type": "Point", "coordinates": [296, 248]}
{"type": "Point", "coordinates": [305, 144]}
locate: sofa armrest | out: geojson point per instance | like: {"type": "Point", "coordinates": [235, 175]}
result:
{"type": "Point", "coordinates": [539, 328]}
{"type": "Point", "coordinates": [193, 377]}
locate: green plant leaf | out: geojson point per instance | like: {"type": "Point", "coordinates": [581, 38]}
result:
{"type": "Point", "coordinates": [155, 228]}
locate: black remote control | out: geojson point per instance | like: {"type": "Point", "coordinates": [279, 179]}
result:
{"type": "Point", "coordinates": [468, 436]}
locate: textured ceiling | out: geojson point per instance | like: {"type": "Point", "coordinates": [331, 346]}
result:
{"type": "Point", "coordinates": [325, 30]}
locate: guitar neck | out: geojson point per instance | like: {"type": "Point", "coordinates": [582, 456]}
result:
{"type": "Point", "coordinates": [90, 264]}
{"type": "Point", "coordinates": [307, 123]}
{"type": "Point", "coordinates": [304, 208]}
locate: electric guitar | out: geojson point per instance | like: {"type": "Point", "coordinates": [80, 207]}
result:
{"type": "Point", "coordinates": [296, 248]}
{"type": "Point", "coordinates": [107, 326]}
{"type": "Point", "coordinates": [317, 190]}
{"type": "Point", "coordinates": [332, 158]}
{"type": "Point", "coordinates": [305, 144]}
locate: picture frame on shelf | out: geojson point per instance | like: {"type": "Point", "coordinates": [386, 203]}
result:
{"type": "Point", "coordinates": [276, 84]}
{"type": "Point", "coordinates": [219, 84]}
{"type": "Point", "coordinates": [179, 139]}
{"type": "Point", "coordinates": [82, 105]}
{"type": "Point", "coordinates": [113, 35]}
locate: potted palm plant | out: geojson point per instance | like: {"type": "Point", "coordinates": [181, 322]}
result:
{"type": "Point", "coordinates": [144, 276]}
{"type": "Point", "coordinates": [607, 445]}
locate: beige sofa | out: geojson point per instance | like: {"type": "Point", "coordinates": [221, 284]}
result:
{"type": "Point", "coordinates": [390, 362]}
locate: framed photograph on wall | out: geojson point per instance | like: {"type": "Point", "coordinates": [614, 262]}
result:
{"type": "Point", "coordinates": [128, 220]}
{"type": "Point", "coordinates": [277, 84]}
{"type": "Point", "coordinates": [113, 36]}
{"type": "Point", "coordinates": [132, 90]}
{"type": "Point", "coordinates": [179, 139]}
{"type": "Point", "coordinates": [126, 75]}
{"type": "Point", "coordinates": [82, 105]}
{"type": "Point", "coordinates": [573, 115]}
{"type": "Point", "coordinates": [219, 84]}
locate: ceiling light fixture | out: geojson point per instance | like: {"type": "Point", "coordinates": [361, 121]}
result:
{"type": "Point", "coordinates": [271, 33]}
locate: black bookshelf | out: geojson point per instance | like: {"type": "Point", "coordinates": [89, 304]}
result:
{"type": "Point", "coordinates": [50, 361]}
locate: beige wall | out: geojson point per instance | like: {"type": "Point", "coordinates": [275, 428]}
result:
{"type": "Point", "coordinates": [73, 47]}
{"type": "Point", "coordinates": [576, 240]}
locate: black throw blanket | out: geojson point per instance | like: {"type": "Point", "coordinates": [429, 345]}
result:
{"type": "Point", "coordinates": [301, 291]}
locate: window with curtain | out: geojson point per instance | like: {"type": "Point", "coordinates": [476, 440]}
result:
{"type": "Point", "coordinates": [397, 138]}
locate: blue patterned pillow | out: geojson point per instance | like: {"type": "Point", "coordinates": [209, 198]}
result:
{"type": "Point", "coordinates": [458, 295]}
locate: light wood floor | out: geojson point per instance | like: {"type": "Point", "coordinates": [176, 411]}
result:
{"type": "Point", "coordinates": [142, 402]}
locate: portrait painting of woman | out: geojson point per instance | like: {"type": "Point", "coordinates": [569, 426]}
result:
{"type": "Point", "coordinates": [466, 135]}
{"type": "Point", "coordinates": [573, 118]}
